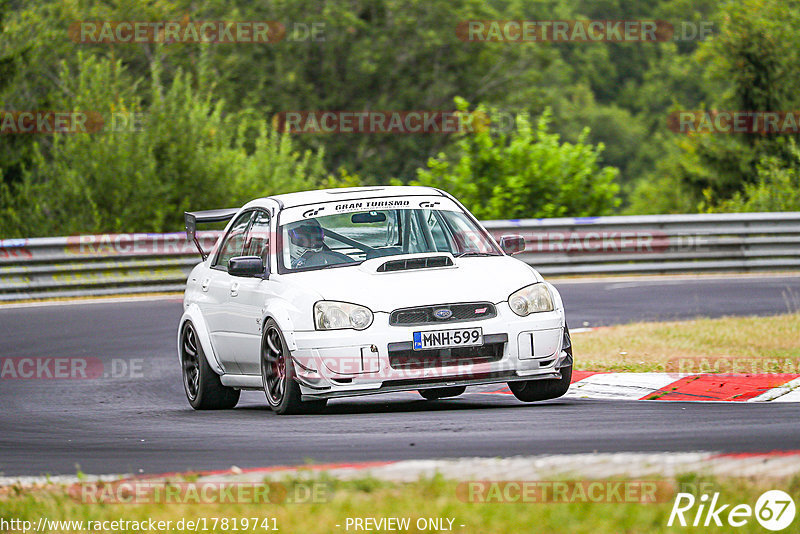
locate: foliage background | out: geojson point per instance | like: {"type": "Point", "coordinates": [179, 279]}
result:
{"type": "Point", "coordinates": [590, 137]}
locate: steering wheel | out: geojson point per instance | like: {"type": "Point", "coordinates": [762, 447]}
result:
{"type": "Point", "coordinates": [320, 258]}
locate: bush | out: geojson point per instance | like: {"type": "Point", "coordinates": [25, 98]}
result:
{"type": "Point", "coordinates": [777, 188]}
{"type": "Point", "coordinates": [525, 173]}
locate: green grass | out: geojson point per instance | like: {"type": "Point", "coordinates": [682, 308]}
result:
{"type": "Point", "coordinates": [729, 344]}
{"type": "Point", "coordinates": [433, 497]}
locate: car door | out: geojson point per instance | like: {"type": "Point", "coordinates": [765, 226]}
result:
{"type": "Point", "coordinates": [218, 287]}
{"type": "Point", "coordinates": [248, 302]}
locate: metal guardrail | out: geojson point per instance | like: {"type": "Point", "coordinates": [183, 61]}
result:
{"type": "Point", "coordinates": [654, 244]}
{"type": "Point", "coordinates": [152, 263]}
{"type": "Point", "coordinates": [95, 265]}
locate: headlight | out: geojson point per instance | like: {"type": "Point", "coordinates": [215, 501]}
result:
{"type": "Point", "coordinates": [531, 299]}
{"type": "Point", "coordinates": [330, 315]}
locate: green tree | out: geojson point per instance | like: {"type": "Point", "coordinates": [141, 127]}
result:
{"type": "Point", "coordinates": [527, 172]}
{"type": "Point", "coordinates": [751, 65]}
{"type": "Point", "coordinates": [187, 154]}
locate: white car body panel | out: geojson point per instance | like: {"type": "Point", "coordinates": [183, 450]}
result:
{"type": "Point", "coordinates": [229, 313]}
{"type": "Point", "coordinates": [193, 313]}
{"type": "Point", "coordinates": [466, 281]}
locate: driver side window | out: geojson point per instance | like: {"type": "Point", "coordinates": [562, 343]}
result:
{"type": "Point", "coordinates": [258, 237]}
{"type": "Point", "coordinates": [233, 244]}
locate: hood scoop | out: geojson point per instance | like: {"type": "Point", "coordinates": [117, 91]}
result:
{"type": "Point", "coordinates": [409, 264]}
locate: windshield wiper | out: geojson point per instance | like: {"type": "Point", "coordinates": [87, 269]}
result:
{"type": "Point", "coordinates": [474, 253]}
{"type": "Point", "coordinates": [342, 264]}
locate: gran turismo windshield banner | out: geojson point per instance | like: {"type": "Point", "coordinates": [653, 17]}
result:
{"type": "Point", "coordinates": [334, 207]}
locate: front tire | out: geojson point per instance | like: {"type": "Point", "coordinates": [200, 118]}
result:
{"type": "Point", "coordinates": [277, 375]}
{"type": "Point", "coordinates": [441, 393]}
{"type": "Point", "coordinates": [539, 390]}
{"type": "Point", "coordinates": [202, 385]}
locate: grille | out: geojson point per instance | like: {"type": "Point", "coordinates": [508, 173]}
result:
{"type": "Point", "coordinates": [428, 359]}
{"type": "Point", "coordinates": [469, 311]}
{"type": "Point", "coordinates": [415, 263]}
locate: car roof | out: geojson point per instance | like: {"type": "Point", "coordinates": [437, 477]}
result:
{"type": "Point", "coordinates": [302, 198]}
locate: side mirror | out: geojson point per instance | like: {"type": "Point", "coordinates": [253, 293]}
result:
{"type": "Point", "coordinates": [512, 244]}
{"type": "Point", "coordinates": [246, 266]}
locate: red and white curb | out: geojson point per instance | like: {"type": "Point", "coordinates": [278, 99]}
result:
{"type": "Point", "coordinates": [683, 387]}
{"type": "Point", "coordinates": [776, 464]}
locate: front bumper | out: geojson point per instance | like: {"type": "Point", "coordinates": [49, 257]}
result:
{"type": "Point", "coordinates": [344, 363]}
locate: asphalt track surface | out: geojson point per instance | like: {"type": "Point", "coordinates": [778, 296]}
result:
{"type": "Point", "coordinates": [143, 424]}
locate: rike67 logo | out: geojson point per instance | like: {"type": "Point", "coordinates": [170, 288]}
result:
{"type": "Point", "coordinates": [774, 510]}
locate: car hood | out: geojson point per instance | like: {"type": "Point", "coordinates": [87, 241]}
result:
{"type": "Point", "coordinates": [473, 279]}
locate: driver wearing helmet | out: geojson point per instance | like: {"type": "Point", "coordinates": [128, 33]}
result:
{"type": "Point", "coordinates": [308, 248]}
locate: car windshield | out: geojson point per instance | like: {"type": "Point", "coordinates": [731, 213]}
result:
{"type": "Point", "coordinates": [351, 238]}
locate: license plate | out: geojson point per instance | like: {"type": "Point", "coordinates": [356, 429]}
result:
{"type": "Point", "coordinates": [443, 339]}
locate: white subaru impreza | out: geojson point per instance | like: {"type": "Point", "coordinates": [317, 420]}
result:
{"type": "Point", "coordinates": [323, 294]}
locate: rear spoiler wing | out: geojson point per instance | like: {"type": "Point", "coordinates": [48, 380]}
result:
{"type": "Point", "coordinates": [191, 218]}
